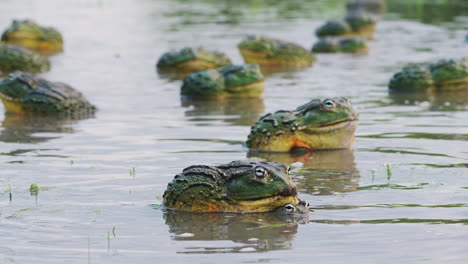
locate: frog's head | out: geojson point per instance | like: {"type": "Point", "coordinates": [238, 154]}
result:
{"type": "Point", "coordinates": [260, 184]}
{"type": "Point", "coordinates": [17, 85]}
{"type": "Point", "coordinates": [326, 115]}
{"type": "Point", "coordinates": [333, 28]}
{"type": "Point", "coordinates": [237, 78]}
{"type": "Point", "coordinates": [259, 44]}
{"type": "Point", "coordinates": [413, 77]}
{"type": "Point", "coordinates": [203, 84]}
{"type": "Point", "coordinates": [444, 70]}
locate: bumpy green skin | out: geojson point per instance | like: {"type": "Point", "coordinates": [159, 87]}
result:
{"type": "Point", "coordinates": [276, 50]}
{"type": "Point", "coordinates": [204, 84]}
{"type": "Point", "coordinates": [37, 95]}
{"type": "Point", "coordinates": [311, 125]}
{"type": "Point", "coordinates": [26, 33]}
{"type": "Point", "coordinates": [170, 60]}
{"type": "Point", "coordinates": [445, 70]}
{"type": "Point", "coordinates": [240, 75]}
{"type": "Point", "coordinates": [231, 81]}
{"type": "Point", "coordinates": [223, 188]}
{"type": "Point", "coordinates": [357, 24]}
{"type": "Point", "coordinates": [413, 77]}
{"type": "Point", "coordinates": [360, 20]}
{"type": "Point", "coordinates": [442, 75]}
{"type": "Point", "coordinates": [346, 45]}
{"type": "Point", "coordinates": [15, 58]}
{"type": "Point", "coordinates": [334, 28]}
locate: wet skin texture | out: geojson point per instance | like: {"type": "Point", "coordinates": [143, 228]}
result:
{"type": "Point", "coordinates": [23, 93]}
{"type": "Point", "coordinates": [246, 186]}
{"type": "Point", "coordinates": [26, 33]}
{"type": "Point", "coordinates": [319, 124]}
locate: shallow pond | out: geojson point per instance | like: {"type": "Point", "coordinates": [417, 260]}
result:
{"type": "Point", "coordinates": [102, 178]}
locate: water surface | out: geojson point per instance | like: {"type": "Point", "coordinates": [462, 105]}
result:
{"type": "Point", "coordinates": [102, 178]}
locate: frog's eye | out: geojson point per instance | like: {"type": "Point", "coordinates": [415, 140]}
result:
{"type": "Point", "coordinates": [289, 208]}
{"type": "Point", "coordinates": [328, 103]}
{"type": "Point", "coordinates": [288, 169]}
{"type": "Point", "coordinates": [260, 172]}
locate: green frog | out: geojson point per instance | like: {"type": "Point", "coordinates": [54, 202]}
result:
{"type": "Point", "coordinates": [319, 124]}
{"type": "Point", "coordinates": [243, 186]}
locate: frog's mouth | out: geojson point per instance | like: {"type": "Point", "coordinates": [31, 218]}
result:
{"type": "Point", "coordinates": [332, 126]}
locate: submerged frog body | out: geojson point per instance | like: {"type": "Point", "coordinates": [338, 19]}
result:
{"type": "Point", "coordinates": [443, 75]}
{"type": "Point", "coordinates": [347, 45]}
{"type": "Point", "coordinates": [15, 58]}
{"type": "Point", "coordinates": [24, 93]}
{"type": "Point", "coordinates": [360, 24]}
{"type": "Point", "coordinates": [274, 52]}
{"type": "Point", "coordinates": [231, 81]}
{"type": "Point", "coordinates": [319, 124]}
{"type": "Point", "coordinates": [26, 33]}
{"type": "Point", "coordinates": [188, 60]}
{"type": "Point", "coordinates": [246, 186]}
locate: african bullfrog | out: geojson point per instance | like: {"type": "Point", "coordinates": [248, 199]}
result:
{"type": "Point", "coordinates": [443, 75]}
{"type": "Point", "coordinates": [15, 58]}
{"type": "Point", "coordinates": [243, 186]}
{"type": "Point", "coordinates": [28, 34]}
{"type": "Point", "coordinates": [318, 124]}
{"type": "Point", "coordinates": [274, 52]}
{"type": "Point", "coordinates": [231, 81]}
{"type": "Point", "coordinates": [187, 60]}
{"type": "Point", "coordinates": [23, 93]}
{"type": "Point", "coordinates": [341, 44]}
{"type": "Point", "coordinates": [360, 24]}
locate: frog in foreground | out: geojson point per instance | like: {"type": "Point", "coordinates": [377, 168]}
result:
{"type": "Point", "coordinates": [15, 58]}
{"type": "Point", "coordinates": [243, 186]}
{"type": "Point", "coordinates": [28, 34]}
{"type": "Point", "coordinates": [442, 75]}
{"type": "Point", "coordinates": [187, 60]}
{"type": "Point", "coordinates": [273, 52]}
{"type": "Point", "coordinates": [23, 93]}
{"type": "Point", "coordinates": [319, 124]}
{"type": "Point", "coordinates": [231, 81]}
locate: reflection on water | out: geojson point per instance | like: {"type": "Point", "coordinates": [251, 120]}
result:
{"type": "Point", "coordinates": [27, 128]}
{"type": "Point", "coordinates": [428, 11]}
{"type": "Point", "coordinates": [257, 232]}
{"type": "Point", "coordinates": [438, 101]}
{"type": "Point", "coordinates": [394, 221]}
{"type": "Point", "coordinates": [323, 172]}
{"type": "Point", "coordinates": [236, 111]}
